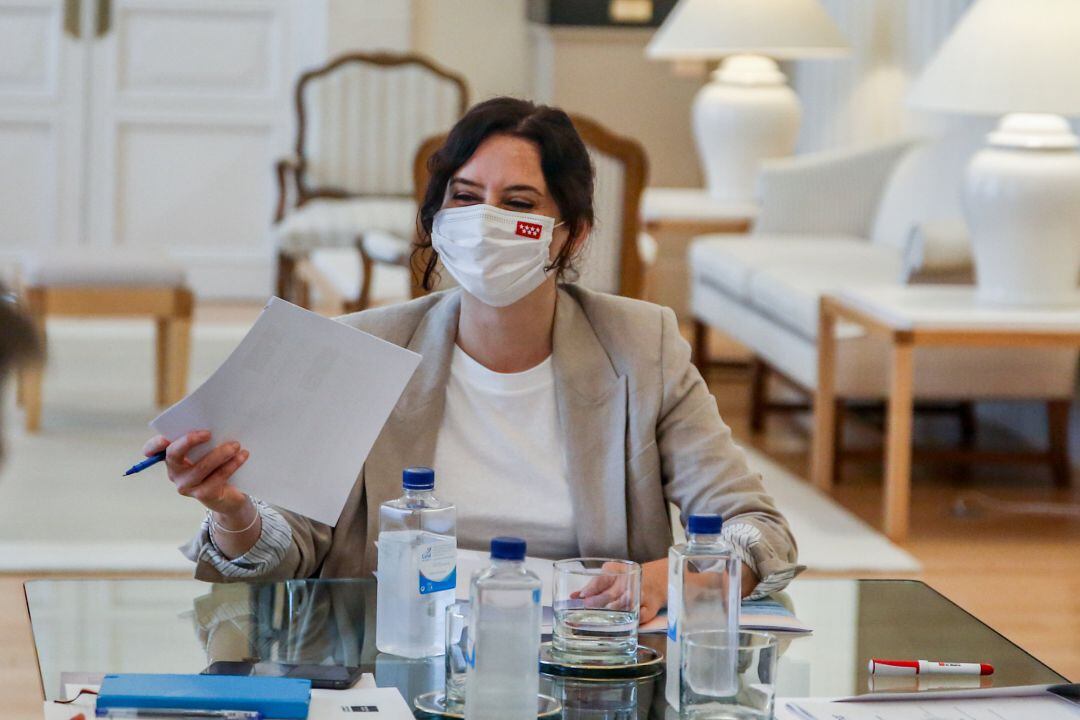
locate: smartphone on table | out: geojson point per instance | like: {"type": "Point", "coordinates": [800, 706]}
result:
{"type": "Point", "coordinates": [330, 677]}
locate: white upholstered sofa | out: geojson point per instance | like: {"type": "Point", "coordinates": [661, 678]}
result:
{"type": "Point", "coordinates": [887, 214]}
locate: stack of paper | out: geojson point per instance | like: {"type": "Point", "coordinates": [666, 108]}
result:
{"type": "Point", "coordinates": [1016, 703]}
{"type": "Point", "coordinates": [765, 615]}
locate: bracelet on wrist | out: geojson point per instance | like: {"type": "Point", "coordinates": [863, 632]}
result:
{"type": "Point", "coordinates": [219, 528]}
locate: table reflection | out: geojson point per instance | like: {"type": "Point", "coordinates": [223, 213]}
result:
{"type": "Point", "coordinates": [634, 699]}
{"type": "Point", "coordinates": [293, 622]}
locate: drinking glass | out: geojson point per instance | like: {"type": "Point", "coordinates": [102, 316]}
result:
{"type": "Point", "coordinates": [706, 692]}
{"type": "Point", "coordinates": [458, 618]}
{"type": "Point", "coordinates": [596, 603]}
{"type": "Point", "coordinates": [588, 699]}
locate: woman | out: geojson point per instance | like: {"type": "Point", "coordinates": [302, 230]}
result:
{"type": "Point", "coordinates": [548, 411]}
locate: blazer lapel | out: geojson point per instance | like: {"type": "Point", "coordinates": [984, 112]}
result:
{"type": "Point", "coordinates": [409, 436]}
{"type": "Point", "coordinates": [591, 402]}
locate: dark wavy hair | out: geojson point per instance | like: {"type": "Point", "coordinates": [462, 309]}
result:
{"type": "Point", "coordinates": [565, 162]}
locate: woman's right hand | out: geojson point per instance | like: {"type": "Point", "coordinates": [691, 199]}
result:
{"type": "Point", "coordinates": [206, 480]}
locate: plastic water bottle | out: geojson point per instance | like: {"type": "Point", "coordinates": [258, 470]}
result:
{"type": "Point", "coordinates": [704, 592]}
{"type": "Point", "coordinates": [417, 570]}
{"type": "Point", "coordinates": [503, 678]}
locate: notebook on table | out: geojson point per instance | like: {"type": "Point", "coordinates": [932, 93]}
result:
{"type": "Point", "coordinates": [274, 697]}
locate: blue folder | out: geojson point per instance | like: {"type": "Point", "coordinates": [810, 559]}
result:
{"type": "Point", "coordinates": [274, 697]}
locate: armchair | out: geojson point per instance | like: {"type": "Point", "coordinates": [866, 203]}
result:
{"type": "Point", "coordinates": [360, 119]}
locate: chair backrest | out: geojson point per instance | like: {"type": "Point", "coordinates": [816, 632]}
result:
{"type": "Point", "coordinates": [610, 261]}
{"type": "Point", "coordinates": [361, 117]}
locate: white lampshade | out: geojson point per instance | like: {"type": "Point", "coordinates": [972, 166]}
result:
{"type": "Point", "coordinates": [1007, 56]}
{"type": "Point", "coordinates": [780, 29]}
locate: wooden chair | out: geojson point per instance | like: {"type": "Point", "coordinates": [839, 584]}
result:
{"type": "Point", "coordinates": [359, 119]}
{"type": "Point", "coordinates": [616, 255]}
{"type": "Point", "coordinates": [618, 252]}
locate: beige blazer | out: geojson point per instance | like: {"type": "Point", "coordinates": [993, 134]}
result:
{"type": "Point", "coordinates": [640, 428]}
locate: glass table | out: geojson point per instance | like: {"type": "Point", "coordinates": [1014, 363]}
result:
{"type": "Point", "coordinates": [181, 626]}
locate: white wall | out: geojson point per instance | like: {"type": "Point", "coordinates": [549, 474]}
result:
{"type": "Point", "coordinates": [860, 99]}
{"type": "Point", "coordinates": [368, 25]}
{"type": "Point", "coordinates": [485, 40]}
{"type": "Point", "coordinates": [603, 73]}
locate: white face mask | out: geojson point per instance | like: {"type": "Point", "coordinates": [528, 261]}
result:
{"type": "Point", "coordinates": [496, 255]}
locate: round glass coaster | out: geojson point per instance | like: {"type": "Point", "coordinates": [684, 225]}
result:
{"type": "Point", "coordinates": [434, 703]}
{"type": "Point", "coordinates": [643, 663]}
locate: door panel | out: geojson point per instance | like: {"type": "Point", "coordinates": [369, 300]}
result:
{"type": "Point", "coordinates": [41, 104]}
{"type": "Point", "coordinates": [28, 183]}
{"type": "Point", "coordinates": [191, 110]}
{"type": "Point", "coordinates": [28, 47]}
{"type": "Point", "coordinates": [202, 53]}
{"type": "Point", "coordinates": [198, 185]}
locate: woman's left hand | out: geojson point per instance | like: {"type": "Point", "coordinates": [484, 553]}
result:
{"type": "Point", "coordinates": [653, 589]}
{"type": "Point", "coordinates": [654, 577]}
{"type": "Point", "coordinates": [612, 591]}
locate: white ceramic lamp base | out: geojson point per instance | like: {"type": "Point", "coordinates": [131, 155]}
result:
{"type": "Point", "coordinates": [1022, 203]}
{"type": "Point", "coordinates": [745, 115]}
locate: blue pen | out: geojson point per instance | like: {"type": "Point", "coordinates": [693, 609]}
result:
{"type": "Point", "coordinates": [152, 460]}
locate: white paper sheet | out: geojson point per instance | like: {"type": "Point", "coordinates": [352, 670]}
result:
{"type": "Point", "coordinates": [366, 703]}
{"type": "Point", "coordinates": [307, 396]}
{"type": "Point", "coordinates": [1043, 706]}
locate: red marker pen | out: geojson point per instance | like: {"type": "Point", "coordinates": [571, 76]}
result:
{"type": "Point", "coordinates": [927, 667]}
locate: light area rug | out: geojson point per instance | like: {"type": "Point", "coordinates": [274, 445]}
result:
{"type": "Point", "coordinates": [65, 507]}
{"type": "Point", "coordinates": [830, 538]}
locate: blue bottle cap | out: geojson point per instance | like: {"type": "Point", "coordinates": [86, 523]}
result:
{"type": "Point", "coordinates": [704, 524]}
{"type": "Point", "coordinates": [418, 478]}
{"type": "Point", "coordinates": [507, 548]}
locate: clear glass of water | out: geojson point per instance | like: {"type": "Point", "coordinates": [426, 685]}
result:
{"type": "Point", "coordinates": [458, 619]}
{"type": "Point", "coordinates": [705, 689]}
{"type": "Point", "coordinates": [596, 603]}
{"type": "Point", "coordinates": [588, 699]}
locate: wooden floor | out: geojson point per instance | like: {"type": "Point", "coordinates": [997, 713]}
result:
{"type": "Point", "coordinates": [1019, 573]}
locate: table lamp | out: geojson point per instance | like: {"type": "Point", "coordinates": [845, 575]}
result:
{"type": "Point", "coordinates": [747, 112]}
{"type": "Point", "coordinates": [1022, 191]}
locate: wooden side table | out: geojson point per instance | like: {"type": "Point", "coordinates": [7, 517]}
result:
{"type": "Point", "coordinates": [674, 217]}
{"type": "Point", "coordinates": [84, 284]}
{"type": "Point", "coordinates": [911, 316]}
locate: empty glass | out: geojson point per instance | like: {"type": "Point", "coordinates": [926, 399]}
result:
{"type": "Point", "coordinates": [706, 692]}
{"type": "Point", "coordinates": [596, 603]}
{"type": "Point", "coordinates": [458, 617]}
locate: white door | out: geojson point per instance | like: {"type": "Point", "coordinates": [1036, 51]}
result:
{"type": "Point", "coordinates": [190, 108]}
{"type": "Point", "coordinates": [42, 94]}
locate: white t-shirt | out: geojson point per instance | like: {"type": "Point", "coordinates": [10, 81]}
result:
{"type": "Point", "coordinates": [499, 458]}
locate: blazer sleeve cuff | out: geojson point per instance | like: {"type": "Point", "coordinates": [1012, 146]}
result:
{"type": "Point", "coordinates": [263, 557]}
{"type": "Point", "coordinates": [773, 571]}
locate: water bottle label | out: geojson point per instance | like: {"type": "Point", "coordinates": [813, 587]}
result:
{"type": "Point", "coordinates": [673, 607]}
{"type": "Point", "coordinates": [437, 562]}
{"type": "Point", "coordinates": [536, 596]}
